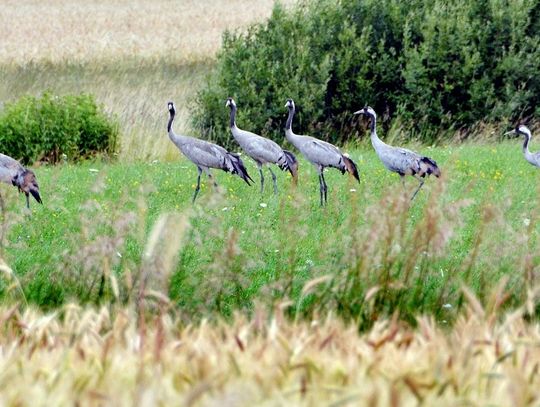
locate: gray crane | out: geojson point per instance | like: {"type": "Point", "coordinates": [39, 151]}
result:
{"type": "Point", "coordinates": [319, 153]}
{"type": "Point", "coordinates": [206, 155]}
{"type": "Point", "coordinates": [262, 150]}
{"type": "Point", "coordinates": [400, 160]}
{"type": "Point", "coordinates": [12, 172]}
{"type": "Point", "coordinates": [533, 158]}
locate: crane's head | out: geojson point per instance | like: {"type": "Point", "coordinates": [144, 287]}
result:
{"type": "Point", "coordinates": [171, 107]}
{"type": "Point", "coordinates": [520, 130]}
{"type": "Point", "coordinates": [289, 104]}
{"type": "Point", "coordinates": [27, 183]}
{"type": "Point", "coordinates": [367, 111]}
{"type": "Point", "coordinates": [230, 102]}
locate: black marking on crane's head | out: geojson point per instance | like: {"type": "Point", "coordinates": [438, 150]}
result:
{"type": "Point", "coordinates": [523, 130]}
{"type": "Point", "coordinates": [230, 102]}
{"type": "Point", "coordinates": [519, 130]}
{"type": "Point", "coordinates": [170, 106]}
{"type": "Point", "coordinates": [290, 104]}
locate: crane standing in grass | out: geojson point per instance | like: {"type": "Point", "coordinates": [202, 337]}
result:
{"type": "Point", "coordinates": [319, 153]}
{"type": "Point", "coordinates": [533, 158]}
{"type": "Point", "coordinates": [206, 155]}
{"type": "Point", "coordinates": [262, 150]}
{"type": "Point", "coordinates": [12, 172]}
{"type": "Point", "coordinates": [397, 159]}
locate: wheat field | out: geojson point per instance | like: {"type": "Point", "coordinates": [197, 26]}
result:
{"type": "Point", "coordinates": [59, 31]}
{"type": "Point", "coordinates": [105, 357]}
{"type": "Point", "coordinates": [134, 56]}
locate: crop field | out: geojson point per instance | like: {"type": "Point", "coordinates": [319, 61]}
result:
{"type": "Point", "coordinates": [103, 357]}
{"type": "Point", "coordinates": [133, 56]}
{"type": "Point", "coordinates": [119, 291]}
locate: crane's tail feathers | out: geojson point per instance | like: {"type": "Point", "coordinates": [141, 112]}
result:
{"type": "Point", "coordinates": [351, 167]}
{"type": "Point", "coordinates": [428, 167]}
{"type": "Point", "coordinates": [239, 168]}
{"type": "Point", "coordinates": [290, 164]}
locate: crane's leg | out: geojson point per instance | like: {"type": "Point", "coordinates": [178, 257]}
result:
{"type": "Point", "coordinates": [27, 201]}
{"type": "Point", "coordinates": [421, 180]}
{"type": "Point", "coordinates": [262, 177]}
{"type": "Point", "coordinates": [273, 179]}
{"type": "Point", "coordinates": [325, 187]}
{"type": "Point", "coordinates": [321, 189]}
{"type": "Point", "coordinates": [198, 185]}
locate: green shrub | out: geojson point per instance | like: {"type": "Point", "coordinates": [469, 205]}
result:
{"type": "Point", "coordinates": [45, 128]}
{"type": "Point", "coordinates": [437, 66]}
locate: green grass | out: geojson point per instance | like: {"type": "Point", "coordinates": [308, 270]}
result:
{"type": "Point", "coordinates": [242, 248]}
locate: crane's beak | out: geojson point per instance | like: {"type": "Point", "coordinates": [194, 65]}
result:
{"type": "Point", "coordinates": [35, 194]}
{"type": "Point", "coordinates": [513, 132]}
{"type": "Point", "coordinates": [361, 111]}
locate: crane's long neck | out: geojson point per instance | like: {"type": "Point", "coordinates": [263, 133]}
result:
{"type": "Point", "coordinates": [175, 138]}
{"type": "Point", "coordinates": [375, 140]}
{"type": "Point", "coordinates": [526, 144]}
{"type": "Point", "coordinates": [288, 126]}
{"type": "Point", "coordinates": [169, 125]}
{"type": "Point", "coordinates": [232, 121]}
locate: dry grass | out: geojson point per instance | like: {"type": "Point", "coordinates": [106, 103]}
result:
{"type": "Point", "coordinates": [82, 356]}
{"type": "Point", "coordinates": [133, 55]}
{"type": "Point", "coordinates": [61, 31]}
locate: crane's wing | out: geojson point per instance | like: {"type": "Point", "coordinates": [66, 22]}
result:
{"type": "Point", "coordinates": [9, 168]}
{"type": "Point", "coordinates": [263, 149]}
{"type": "Point", "coordinates": [321, 152]}
{"type": "Point", "coordinates": [205, 153]}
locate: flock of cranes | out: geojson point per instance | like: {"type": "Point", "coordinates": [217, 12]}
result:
{"type": "Point", "coordinates": [320, 153]}
{"type": "Point", "coordinates": [206, 155]}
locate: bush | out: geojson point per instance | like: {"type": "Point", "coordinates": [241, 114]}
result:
{"type": "Point", "coordinates": [44, 128]}
{"type": "Point", "coordinates": [433, 65]}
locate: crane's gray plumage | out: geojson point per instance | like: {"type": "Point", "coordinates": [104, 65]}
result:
{"type": "Point", "coordinates": [320, 153]}
{"type": "Point", "coordinates": [262, 150]}
{"type": "Point", "coordinates": [533, 158]}
{"type": "Point", "coordinates": [397, 159]}
{"type": "Point", "coordinates": [12, 172]}
{"type": "Point", "coordinates": [206, 155]}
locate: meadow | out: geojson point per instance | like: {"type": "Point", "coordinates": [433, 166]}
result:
{"type": "Point", "coordinates": [119, 291]}
{"type": "Point", "coordinates": [235, 247]}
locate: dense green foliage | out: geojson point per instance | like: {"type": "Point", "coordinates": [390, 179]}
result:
{"type": "Point", "coordinates": [367, 254]}
{"type": "Point", "coordinates": [429, 65]}
{"type": "Point", "coordinates": [47, 127]}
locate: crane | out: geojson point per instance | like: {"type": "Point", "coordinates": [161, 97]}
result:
{"type": "Point", "coordinates": [319, 153]}
{"type": "Point", "coordinates": [262, 150]}
{"type": "Point", "coordinates": [397, 159]}
{"type": "Point", "coordinates": [206, 155]}
{"type": "Point", "coordinates": [12, 172]}
{"type": "Point", "coordinates": [533, 158]}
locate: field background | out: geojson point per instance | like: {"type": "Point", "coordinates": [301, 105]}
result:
{"type": "Point", "coordinates": [245, 291]}
{"type": "Point", "coordinates": [133, 56]}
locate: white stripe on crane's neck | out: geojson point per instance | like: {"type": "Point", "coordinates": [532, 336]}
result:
{"type": "Point", "coordinates": [526, 142]}
{"type": "Point", "coordinates": [375, 140]}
